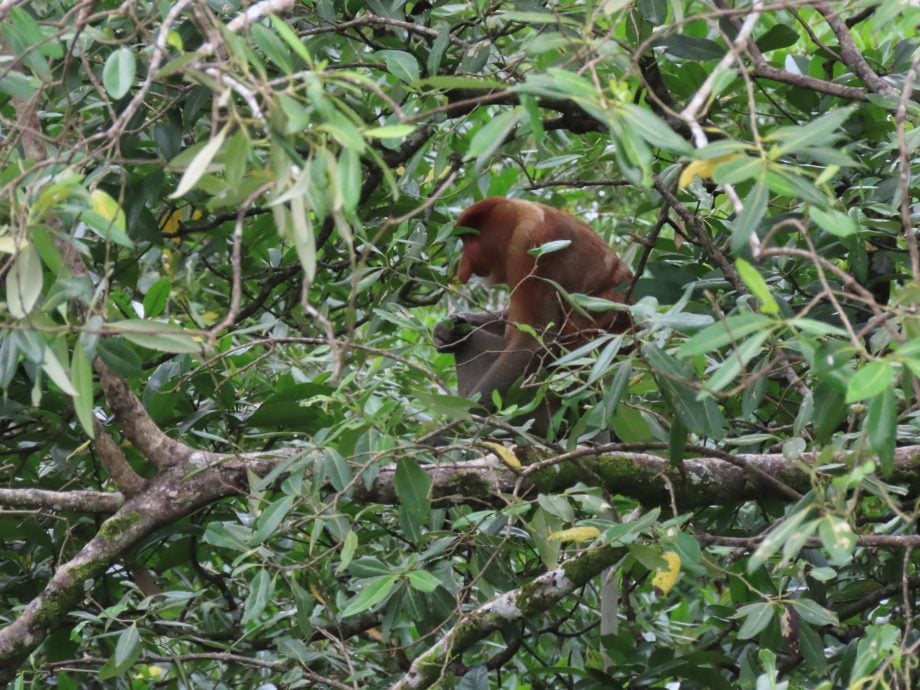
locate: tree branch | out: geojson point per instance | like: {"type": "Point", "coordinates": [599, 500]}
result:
{"type": "Point", "coordinates": [851, 55]}
{"type": "Point", "coordinates": [78, 501]}
{"type": "Point", "coordinates": [137, 424]}
{"type": "Point", "coordinates": [115, 463]}
{"type": "Point", "coordinates": [518, 604]}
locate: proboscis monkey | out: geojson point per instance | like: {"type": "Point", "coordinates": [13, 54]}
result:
{"type": "Point", "coordinates": [490, 351]}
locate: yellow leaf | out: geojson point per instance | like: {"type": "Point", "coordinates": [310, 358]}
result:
{"type": "Point", "coordinates": [575, 534]}
{"type": "Point", "coordinates": [666, 577]}
{"type": "Point", "coordinates": [172, 222]}
{"type": "Point", "coordinates": [505, 455]}
{"type": "Point", "coordinates": [702, 169]}
{"type": "Point", "coordinates": [315, 592]}
{"type": "Point", "coordinates": [107, 207]}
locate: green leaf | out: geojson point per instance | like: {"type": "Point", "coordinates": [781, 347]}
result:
{"type": "Point", "coordinates": [677, 440]}
{"type": "Point", "coordinates": [295, 649]}
{"type": "Point", "coordinates": [291, 38]}
{"type": "Point", "coordinates": [738, 169]}
{"type": "Point", "coordinates": [550, 247]}
{"type": "Point", "coordinates": [812, 647]}
{"type": "Point", "coordinates": [758, 286]}
{"type": "Point", "coordinates": [336, 466]}
{"type": "Point", "coordinates": [120, 357]}
{"type": "Point", "coordinates": [818, 328]}
{"type": "Point", "coordinates": [348, 179]}
{"type": "Point", "coordinates": [271, 518]}
{"type": "Point", "coordinates": [227, 536]}
{"type": "Point", "coordinates": [412, 486]}
{"type": "Point", "coordinates": [557, 505]}
{"type": "Point", "coordinates": [832, 221]}
{"type": "Point", "coordinates": [838, 538]}
{"type": "Point", "coordinates": [157, 297]}
{"type": "Point", "coordinates": [437, 49]}
{"type": "Point", "coordinates": [623, 533]}
{"type": "Point", "coordinates": [343, 131]}
{"type": "Point", "coordinates": [400, 64]}
{"type": "Point", "coordinates": [701, 416]}
{"type": "Point", "coordinates": [787, 184]}
{"type": "Point", "coordinates": [447, 82]}
{"type": "Point", "coordinates": [630, 426]}
{"type": "Point", "coordinates": [107, 228]}
{"type": "Point", "coordinates": [302, 234]}
{"type": "Point", "coordinates": [734, 361]}
{"type": "Point", "coordinates": [755, 205]}
{"type": "Point", "coordinates": [157, 336]}
{"type": "Point", "coordinates": [691, 48]}
{"type": "Point", "coordinates": [118, 72]}
{"type": "Point", "coordinates": [718, 335]}
{"type": "Point", "coordinates": [574, 85]}
{"type": "Point", "coordinates": [654, 130]}
{"type": "Point", "coordinates": [236, 155]}
{"type": "Point", "coordinates": [870, 380]}
{"type": "Point", "coordinates": [199, 164]}
{"type": "Point", "coordinates": [107, 207]}
{"type": "Point", "coordinates": [756, 618]}
{"type": "Point", "coordinates": [298, 408]}
{"type": "Point", "coordinates": [491, 136]}
{"type": "Point", "coordinates": [778, 36]}
{"type": "Point", "coordinates": [532, 110]}
{"type": "Point", "coordinates": [81, 376]}
{"type": "Point", "coordinates": [525, 17]}
{"type": "Point", "coordinates": [822, 131]}
{"type": "Point", "coordinates": [24, 282]}
{"type": "Point", "coordinates": [17, 85]}
{"type": "Point", "coordinates": [375, 590]}
{"type": "Point", "coordinates": [51, 365]}
{"type": "Point", "coordinates": [258, 597]}
{"type": "Point", "coordinates": [778, 536]}
{"type": "Point", "coordinates": [423, 581]}
{"type": "Point", "coordinates": [128, 645]}
{"type": "Point", "coordinates": [881, 427]}
{"type": "Point", "coordinates": [812, 612]}
{"type": "Point", "coordinates": [273, 47]}
{"type": "Point", "coordinates": [349, 546]}
{"type": "Point", "coordinates": [389, 132]}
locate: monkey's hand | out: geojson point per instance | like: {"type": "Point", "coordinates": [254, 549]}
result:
{"type": "Point", "coordinates": [450, 333]}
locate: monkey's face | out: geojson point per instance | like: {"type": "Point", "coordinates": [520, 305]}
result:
{"type": "Point", "coordinates": [473, 261]}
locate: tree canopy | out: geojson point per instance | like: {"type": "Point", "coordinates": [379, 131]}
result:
{"type": "Point", "coordinates": [232, 456]}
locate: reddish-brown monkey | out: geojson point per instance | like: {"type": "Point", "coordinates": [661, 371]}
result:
{"type": "Point", "coordinates": [506, 230]}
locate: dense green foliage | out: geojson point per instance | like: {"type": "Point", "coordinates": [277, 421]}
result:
{"type": "Point", "coordinates": [249, 219]}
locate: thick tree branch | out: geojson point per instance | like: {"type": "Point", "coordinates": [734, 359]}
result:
{"type": "Point", "coordinates": [167, 498]}
{"type": "Point", "coordinates": [137, 424]}
{"type": "Point", "coordinates": [703, 481]}
{"type": "Point", "coordinates": [115, 463]}
{"type": "Point", "coordinates": [77, 501]}
{"type": "Point", "coordinates": [519, 604]}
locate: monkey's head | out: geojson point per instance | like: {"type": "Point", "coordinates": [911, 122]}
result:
{"type": "Point", "coordinates": [484, 241]}
{"type": "Point", "coordinates": [472, 262]}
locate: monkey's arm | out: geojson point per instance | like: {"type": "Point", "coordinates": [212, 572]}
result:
{"type": "Point", "coordinates": [485, 363]}
{"type": "Point", "coordinates": [516, 355]}
{"type": "Point", "coordinates": [475, 340]}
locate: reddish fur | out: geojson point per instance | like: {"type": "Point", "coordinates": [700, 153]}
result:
{"type": "Point", "coordinates": [507, 228]}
